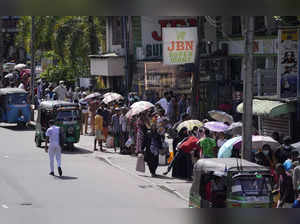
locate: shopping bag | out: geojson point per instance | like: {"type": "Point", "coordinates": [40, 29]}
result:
{"type": "Point", "coordinates": [162, 160]}
{"type": "Point", "coordinates": [171, 157]}
{"type": "Point", "coordinates": [110, 142]}
{"type": "Point", "coordinates": [129, 142]}
{"type": "Point", "coordinates": [140, 164]}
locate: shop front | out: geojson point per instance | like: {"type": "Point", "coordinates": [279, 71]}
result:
{"type": "Point", "coordinates": [276, 115]}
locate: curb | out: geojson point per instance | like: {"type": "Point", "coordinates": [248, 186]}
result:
{"type": "Point", "coordinates": [160, 186]}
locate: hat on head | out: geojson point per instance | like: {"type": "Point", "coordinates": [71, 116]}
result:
{"type": "Point", "coordinates": [61, 82]}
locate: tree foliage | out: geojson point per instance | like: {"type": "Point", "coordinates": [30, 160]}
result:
{"type": "Point", "coordinates": [66, 40]}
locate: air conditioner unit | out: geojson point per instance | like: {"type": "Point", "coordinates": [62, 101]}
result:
{"type": "Point", "coordinates": [120, 51]}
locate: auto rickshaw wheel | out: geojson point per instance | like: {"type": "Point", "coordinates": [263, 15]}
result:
{"type": "Point", "coordinates": [38, 142]}
{"type": "Point", "coordinates": [70, 146]}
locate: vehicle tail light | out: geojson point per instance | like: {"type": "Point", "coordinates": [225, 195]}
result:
{"type": "Point", "coordinates": [236, 205]}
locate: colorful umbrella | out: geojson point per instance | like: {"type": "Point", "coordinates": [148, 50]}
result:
{"type": "Point", "coordinates": [190, 124]}
{"type": "Point", "coordinates": [220, 116]}
{"type": "Point", "coordinates": [110, 97]}
{"type": "Point", "coordinates": [92, 96]}
{"type": "Point", "coordinates": [216, 126]}
{"type": "Point", "coordinates": [258, 142]}
{"type": "Point", "coordinates": [226, 150]}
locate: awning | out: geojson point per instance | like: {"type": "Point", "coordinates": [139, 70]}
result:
{"type": "Point", "coordinates": [269, 108]}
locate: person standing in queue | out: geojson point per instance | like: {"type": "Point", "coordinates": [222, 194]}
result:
{"type": "Point", "coordinates": [53, 136]}
{"type": "Point", "coordinates": [99, 131]}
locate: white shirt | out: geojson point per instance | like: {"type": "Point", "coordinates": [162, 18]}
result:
{"type": "Point", "coordinates": [84, 106]}
{"type": "Point", "coordinates": [53, 134]}
{"type": "Point", "coordinates": [164, 103]}
{"type": "Point", "coordinates": [61, 92]}
{"type": "Point", "coordinates": [123, 122]}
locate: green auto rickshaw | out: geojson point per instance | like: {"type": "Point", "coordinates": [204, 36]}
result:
{"type": "Point", "coordinates": [67, 115]}
{"type": "Point", "coordinates": [230, 183]}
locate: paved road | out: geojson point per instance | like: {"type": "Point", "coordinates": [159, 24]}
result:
{"type": "Point", "coordinates": [88, 183]}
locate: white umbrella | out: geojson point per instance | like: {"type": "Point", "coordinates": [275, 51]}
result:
{"type": "Point", "coordinates": [135, 111]}
{"type": "Point", "coordinates": [144, 104]}
{"type": "Point", "coordinates": [221, 116]}
{"type": "Point", "coordinates": [190, 124]}
{"type": "Point", "coordinates": [20, 66]}
{"type": "Point", "coordinates": [110, 97]}
{"type": "Point", "coordinates": [92, 96]}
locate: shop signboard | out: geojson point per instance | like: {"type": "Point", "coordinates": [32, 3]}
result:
{"type": "Point", "coordinates": [288, 62]}
{"type": "Point", "coordinates": [179, 45]}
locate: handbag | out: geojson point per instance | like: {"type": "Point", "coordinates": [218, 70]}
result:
{"type": "Point", "coordinates": [110, 142]}
{"type": "Point", "coordinates": [140, 164]}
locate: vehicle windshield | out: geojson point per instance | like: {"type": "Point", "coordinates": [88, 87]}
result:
{"type": "Point", "coordinates": [251, 186]}
{"type": "Point", "coordinates": [17, 99]}
{"type": "Point", "coordinates": [67, 115]}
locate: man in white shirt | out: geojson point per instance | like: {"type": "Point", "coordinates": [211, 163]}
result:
{"type": "Point", "coordinates": [61, 91]}
{"type": "Point", "coordinates": [53, 137]}
{"type": "Point", "coordinates": [164, 103]}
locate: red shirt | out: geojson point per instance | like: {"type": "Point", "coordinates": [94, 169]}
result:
{"type": "Point", "coordinates": [190, 144]}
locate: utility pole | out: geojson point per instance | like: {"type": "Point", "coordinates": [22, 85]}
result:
{"type": "Point", "coordinates": [196, 74]}
{"type": "Point", "coordinates": [32, 57]}
{"type": "Point", "coordinates": [1, 52]}
{"type": "Point", "coordinates": [125, 40]}
{"type": "Point", "coordinates": [248, 88]}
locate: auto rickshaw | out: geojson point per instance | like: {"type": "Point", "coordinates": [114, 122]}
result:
{"type": "Point", "coordinates": [230, 183]}
{"type": "Point", "coordinates": [14, 108]}
{"type": "Point", "coordinates": [66, 115]}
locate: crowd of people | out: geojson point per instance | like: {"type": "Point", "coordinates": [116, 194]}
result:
{"type": "Point", "coordinates": [146, 133]}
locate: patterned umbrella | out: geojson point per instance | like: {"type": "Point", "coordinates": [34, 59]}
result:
{"type": "Point", "coordinates": [220, 116]}
{"type": "Point", "coordinates": [190, 124]}
{"type": "Point", "coordinates": [110, 97]}
{"type": "Point", "coordinates": [216, 126]}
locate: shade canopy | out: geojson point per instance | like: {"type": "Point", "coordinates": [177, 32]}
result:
{"type": "Point", "coordinates": [269, 108]}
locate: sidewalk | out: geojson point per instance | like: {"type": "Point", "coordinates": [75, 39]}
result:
{"type": "Point", "coordinates": [127, 163]}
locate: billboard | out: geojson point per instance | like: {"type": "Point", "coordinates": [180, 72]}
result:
{"type": "Point", "coordinates": [179, 45]}
{"type": "Point", "coordinates": [288, 62]}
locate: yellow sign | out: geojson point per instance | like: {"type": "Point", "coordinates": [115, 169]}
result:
{"type": "Point", "coordinates": [289, 35]}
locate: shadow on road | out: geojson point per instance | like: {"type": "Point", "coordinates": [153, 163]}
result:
{"type": "Point", "coordinates": [76, 150]}
{"type": "Point", "coordinates": [158, 177]}
{"type": "Point", "coordinates": [16, 128]}
{"type": "Point", "coordinates": [66, 178]}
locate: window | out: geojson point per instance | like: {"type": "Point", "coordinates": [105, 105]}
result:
{"type": "Point", "coordinates": [116, 30]}
{"type": "Point", "coordinates": [236, 25]}
{"type": "Point", "coordinates": [260, 26]}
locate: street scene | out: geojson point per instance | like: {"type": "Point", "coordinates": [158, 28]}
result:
{"type": "Point", "coordinates": [148, 112]}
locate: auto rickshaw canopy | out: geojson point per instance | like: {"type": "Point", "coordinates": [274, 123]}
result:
{"type": "Point", "coordinates": [7, 91]}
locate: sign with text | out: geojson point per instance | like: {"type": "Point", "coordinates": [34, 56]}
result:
{"type": "Point", "coordinates": [179, 45]}
{"type": "Point", "coordinates": [288, 62]}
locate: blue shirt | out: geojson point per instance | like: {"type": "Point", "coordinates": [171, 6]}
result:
{"type": "Point", "coordinates": [296, 204]}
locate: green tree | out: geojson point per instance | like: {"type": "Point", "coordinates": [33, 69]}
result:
{"type": "Point", "coordinates": [67, 40]}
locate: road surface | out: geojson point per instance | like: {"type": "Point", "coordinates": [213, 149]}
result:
{"type": "Point", "coordinates": [88, 185]}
